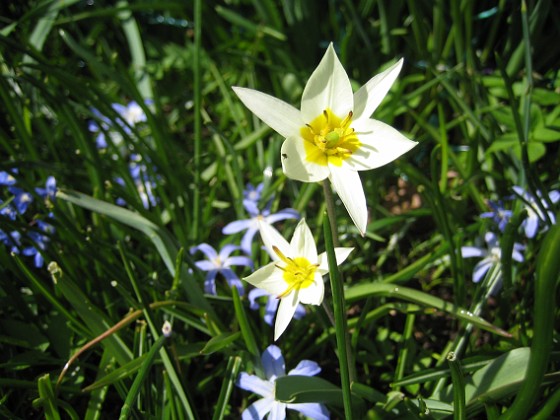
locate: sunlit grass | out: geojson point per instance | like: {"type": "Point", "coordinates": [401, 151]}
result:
{"type": "Point", "coordinates": [478, 91]}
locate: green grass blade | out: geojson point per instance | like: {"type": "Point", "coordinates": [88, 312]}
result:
{"type": "Point", "coordinates": [363, 291]}
{"type": "Point", "coordinates": [161, 239]}
{"type": "Point", "coordinates": [548, 273]}
{"type": "Point", "coordinates": [139, 380]}
{"type": "Point", "coordinates": [232, 371]}
{"type": "Point", "coordinates": [459, 412]}
{"type": "Point", "coordinates": [244, 325]}
{"type": "Point", "coordinates": [48, 398]}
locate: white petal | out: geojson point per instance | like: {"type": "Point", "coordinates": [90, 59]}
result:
{"type": "Point", "coordinates": [381, 144]}
{"type": "Point", "coordinates": [286, 310]}
{"type": "Point", "coordinates": [280, 116]}
{"type": "Point", "coordinates": [269, 278]}
{"type": "Point", "coordinates": [295, 163]}
{"type": "Point", "coordinates": [341, 255]}
{"type": "Point", "coordinates": [328, 87]}
{"type": "Point", "coordinates": [370, 95]}
{"type": "Point", "coordinates": [272, 238]}
{"type": "Point", "coordinates": [313, 294]}
{"type": "Point", "coordinates": [348, 185]}
{"type": "Point", "coordinates": [303, 243]}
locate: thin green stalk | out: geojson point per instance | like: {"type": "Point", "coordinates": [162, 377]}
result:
{"type": "Point", "coordinates": [331, 212]}
{"type": "Point", "coordinates": [404, 353]}
{"type": "Point", "coordinates": [232, 370]}
{"type": "Point", "coordinates": [197, 116]}
{"type": "Point", "coordinates": [459, 412]}
{"type": "Point", "coordinates": [341, 327]}
{"type": "Point", "coordinates": [135, 388]}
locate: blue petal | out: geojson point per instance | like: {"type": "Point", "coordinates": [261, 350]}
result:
{"type": "Point", "coordinates": [305, 368]}
{"type": "Point", "coordinates": [237, 226]}
{"type": "Point", "coordinates": [253, 296]}
{"type": "Point", "coordinates": [238, 260]}
{"type": "Point", "coordinates": [277, 411]}
{"type": "Point", "coordinates": [472, 251]}
{"type": "Point", "coordinates": [206, 249]}
{"type": "Point", "coordinates": [247, 240]}
{"type": "Point", "coordinates": [531, 224]}
{"type": "Point", "coordinates": [259, 409]}
{"type": "Point", "coordinates": [273, 362]}
{"type": "Point", "coordinates": [255, 384]}
{"type": "Point", "coordinates": [314, 411]}
{"type": "Point", "coordinates": [480, 269]}
{"type": "Point", "coordinates": [226, 250]}
{"type": "Point", "coordinates": [283, 215]}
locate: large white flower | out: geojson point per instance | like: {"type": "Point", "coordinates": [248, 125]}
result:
{"type": "Point", "coordinates": [296, 273]}
{"type": "Point", "coordinates": [333, 135]}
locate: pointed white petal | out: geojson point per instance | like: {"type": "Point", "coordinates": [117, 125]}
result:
{"type": "Point", "coordinates": [381, 144]}
{"type": "Point", "coordinates": [313, 294]}
{"type": "Point", "coordinates": [295, 163]}
{"type": "Point", "coordinates": [348, 185]}
{"type": "Point", "coordinates": [286, 310]}
{"type": "Point", "coordinates": [280, 116]}
{"type": "Point", "coordinates": [370, 95]}
{"type": "Point", "coordinates": [341, 255]}
{"type": "Point", "coordinates": [328, 87]}
{"type": "Point", "coordinates": [269, 278]}
{"type": "Point", "coordinates": [303, 244]}
{"type": "Point", "coordinates": [272, 238]}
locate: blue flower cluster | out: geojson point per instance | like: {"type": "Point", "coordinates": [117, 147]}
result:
{"type": "Point", "coordinates": [221, 262]}
{"type": "Point", "coordinates": [109, 135]}
{"type": "Point", "coordinates": [538, 214]}
{"type": "Point", "coordinates": [14, 205]}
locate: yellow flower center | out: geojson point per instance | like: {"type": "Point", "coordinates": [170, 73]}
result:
{"type": "Point", "coordinates": [299, 273]}
{"type": "Point", "coordinates": [329, 139]}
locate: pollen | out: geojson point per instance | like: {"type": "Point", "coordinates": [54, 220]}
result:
{"type": "Point", "coordinates": [299, 272]}
{"type": "Point", "coordinates": [329, 139]}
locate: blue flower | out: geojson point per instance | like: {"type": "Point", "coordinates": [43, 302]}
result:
{"type": "Point", "coordinates": [49, 192]}
{"type": "Point", "coordinates": [274, 367]}
{"type": "Point", "coordinates": [129, 115]}
{"type": "Point", "coordinates": [250, 202]}
{"type": "Point", "coordinates": [40, 241]}
{"type": "Point", "coordinates": [271, 305]}
{"type": "Point", "coordinates": [22, 199]}
{"type": "Point", "coordinates": [220, 263]}
{"type": "Point", "coordinates": [143, 180]}
{"type": "Point", "coordinates": [7, 179]}
{"type": "Point", "coordinates": [12, 240]}
{"type": "Point", "coordinates": [251, 197]}
{"type": "Point", "coordinates": [491, 255]}
{"type": "Point", "coordinates": [7, 210]}
{"type": "Point", "coordinates": [534, 213]}
{"type": "Point", "coordinates": [499, 214]}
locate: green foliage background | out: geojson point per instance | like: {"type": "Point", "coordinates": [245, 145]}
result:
{"type": "Point", "coordinates": [479, 90]}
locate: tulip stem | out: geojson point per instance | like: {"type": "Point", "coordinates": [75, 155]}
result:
{"type": "Point", "coordinates": [344, 350]}
{"type": "Point", "coordinates": [331, 212]}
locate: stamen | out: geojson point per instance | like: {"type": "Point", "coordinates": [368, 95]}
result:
{"type": "Point", "coordinates": [287, 291]}
{"type": "Point", "coordinates": [287, 260]}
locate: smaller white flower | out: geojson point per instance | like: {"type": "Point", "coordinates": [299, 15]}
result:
{"type": "Point", "coordinates": [296, 273]}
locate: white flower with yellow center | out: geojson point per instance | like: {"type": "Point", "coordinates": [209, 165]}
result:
{"type": "Point", "coordinates": [333, 135]}
{"type": "Point", "coordinates": [296, 273]}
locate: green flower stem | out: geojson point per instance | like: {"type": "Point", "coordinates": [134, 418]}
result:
{"type": "Point", "coordinates": [329, 201]}
{"type": "Point", "coordinates": [197, 116]}
{"type": "Point", "coordinates": [331, 213]}
{"type": "Point", "coordinates": [341, 327]}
